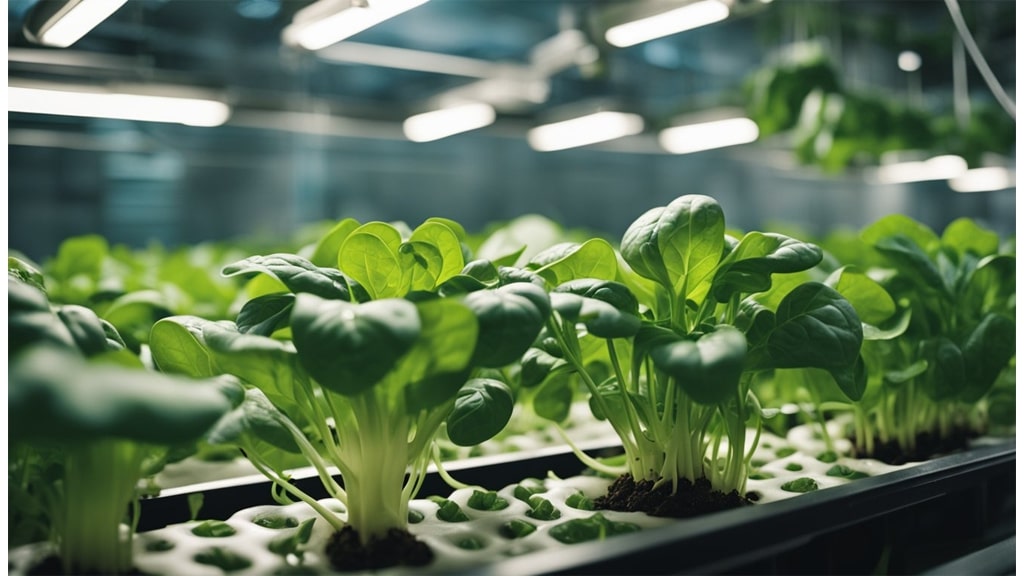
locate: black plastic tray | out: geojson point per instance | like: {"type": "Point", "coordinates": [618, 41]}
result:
{"type": "Point", "coordinates": [906, 521]}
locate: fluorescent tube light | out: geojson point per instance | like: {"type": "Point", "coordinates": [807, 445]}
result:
{"type": "Point", "coordinates": [708, 135]}
{"type": "Point", "coordinates": [984, 180]}
{"type": "Point", "coordinates": [673, 21]}
{"type": "Point", "coordinates": [330, 21]}
{"type": "Point", "coordinates": [63, 24]}
{"type": "Point", "coordinates": [446, 122]}
{"type": "Point", "coordinates": [936, 168]}
{"type": "Point", "coordinates": [147, 108]}
{"type": "Point", "coordinates": [584, 130]}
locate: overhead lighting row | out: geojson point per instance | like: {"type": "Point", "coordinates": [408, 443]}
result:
{"type": "Point", "coordinates": [327, 22]}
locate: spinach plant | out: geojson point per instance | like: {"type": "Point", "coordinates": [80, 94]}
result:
{"type": "Point", "coordinates": [359, 367]}
{"type": "Point", "coordinates": [935, 378]}
{"type": "Point", "coordinates": [87, 422]}
{"type": "Point", "coordinates": [682, 337]}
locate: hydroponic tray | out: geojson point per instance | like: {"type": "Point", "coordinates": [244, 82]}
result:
{"type": "Point", "coordinates": [906, 521]}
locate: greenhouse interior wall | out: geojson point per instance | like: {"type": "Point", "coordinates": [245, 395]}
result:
{"type": "Point", "coordinates": [247, 183]}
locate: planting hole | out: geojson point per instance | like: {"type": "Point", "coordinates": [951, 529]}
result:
{"type": "Point", "coordinates": [527, 488]}
{"type": "Point", "coordinates": [213, 529]}
{"type": "Point", "coordinates": [275, 521]}
{"type": "Point", "coordinates": [159, 545]}
{"type": "Point", "coordinates": [516, 529]}
{"type": "Point", "coordinates": [222, 558]}
{"type": "Point", "coordinates": [487, 501]}
{"type": "Point", "coordinates": [578, 501]}
{"type": "Point", "coordinates": [800, 485]}
{"type": "Point", "coordinates": [759, 475]}
{"type": "Point", "coordinates": [449, 511]}
{"type": "Point", "coordinates": [415, 516]}
{"type": "Point", "coordinates": [845, 472]}
{"type": "Point", "coordinates": [783, 452]}
{"type": "Point", "coordinates": [794, 467]}
{"type": "Point", "coordinates": [471, 543]}
{"type": "Point", "coordinates": [542, 509]}
{"type": "Point", "coordinates": [596, 527]}
{"type": "Point", "coordinates": [828, 457]}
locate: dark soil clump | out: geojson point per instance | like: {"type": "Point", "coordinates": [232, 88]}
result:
{"type": "Point", "coordinates": [690, 499]}
{"type": "Point", "coordinates": [928, 446]}
{"type": "Point", "coordinates": [396, 548]}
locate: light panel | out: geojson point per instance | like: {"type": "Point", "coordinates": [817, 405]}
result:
{"type": "Point", "coordinates": [122, 106]}
{"type": "Point", "coordinates": [936, 168]}
{"type": "Point", "coordinates": [70, 21]}
{"type": "Point", "coordinates": [447, 122]}
{"type": "Point", "coordinates": [584, 130]}
{"type": "Point", "coordinates": [984, 180]}
{"type": "Point", "coordinates": [328, 21]}
{"type": "Point", "coordinates": [667, 23]}
{"type": "Point", "coordinates": [708, 135]}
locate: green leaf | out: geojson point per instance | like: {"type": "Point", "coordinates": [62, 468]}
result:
{"type": "Point", "coordinates": [707, 369]}
{"type": "Point", "coordinates": [601, 319]}
{"type": "Point", "coordinates": [535, 366]}
{"type": "Point", "coordinates": [347, 347]}
{"type": "Point", "coordinates": [295, 272]}
{"type": "Point", "coordinates": [986, 352]}
{"type": "Point", "coordinates": [482, 409]}
{"type": "Point", "coordinates": [914, 264]}
{"type": "Point", "coordinates": [614, 293]}
{"type": "Point", "coordinates": [424, 261]}
{"type": "Point", "coordinates": [677, 246]}
{"type": "Point", "coordinates": [749, 267]}
{"type": "Point", "coordinates": [56, 395]}
{"type": "Point", "coordinates": [945, 377]}
{"type": "Point", "coordinates": [553, 400]}
{"type": "Point", "coordinates": [255, 418]}
{"type": "Point", "coordinates": [87, 330]}
{"type": "Point", "coordinates": [965, 235]}
{"type": "Point", "coordinates": [177, 346]}
{"type": "Point", "coordinates": [815, 328]}
{"type": "Point", "coordinates": [871, 301]}
{"type": "Point", "coordinates": [567, 261]}
{"type": "Point", "coordinates": [441, 235]}
{"type": "Point", "coordinates": [327, 248]}
{"type": "Point", "coordinates": [260, 361]}
{"type": "Point", "coordinates": [992, 287]}
{"type": "Point", "coordinates": [134, 313]}
{"type": "Point", "coordinates": [371, 256]}
{"type": "Point", "coordinates": [438, 364]}
{"type": "Point", "coordinates": [265, 314]}
{"type": "Point", "coordinates": [25, 271]}
{"type": "Point", "coordinates": [510, 319]}
{"type": "Point", "coordinates": [900, 225]}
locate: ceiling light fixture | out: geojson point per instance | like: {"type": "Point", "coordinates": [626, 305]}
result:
{"type": "Point", "coordinates": [987, 179]}
{"type": "Point", "coordinates": [330, 21]}
{"type": "Point", "coordinates": [62, 23]}
{"type": "Point", "coordinates": [446, 122]}
{"type": "Point", "coordinates": [708, 135]}
{"type": "Point", "coordinates": [116, 104]}
{"type": "Point", "coordinates": [936, 168]}
{"type": "Point", "coordinates": [667, 23]}
{"type": "Point", "coordinates": [584, 130]}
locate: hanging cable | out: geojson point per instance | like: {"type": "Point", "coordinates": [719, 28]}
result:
{"type": "Point", "coordinates": [979, 60]}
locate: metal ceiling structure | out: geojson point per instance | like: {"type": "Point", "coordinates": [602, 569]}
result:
{"type": "Point", "coordinates": [527, 56]}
